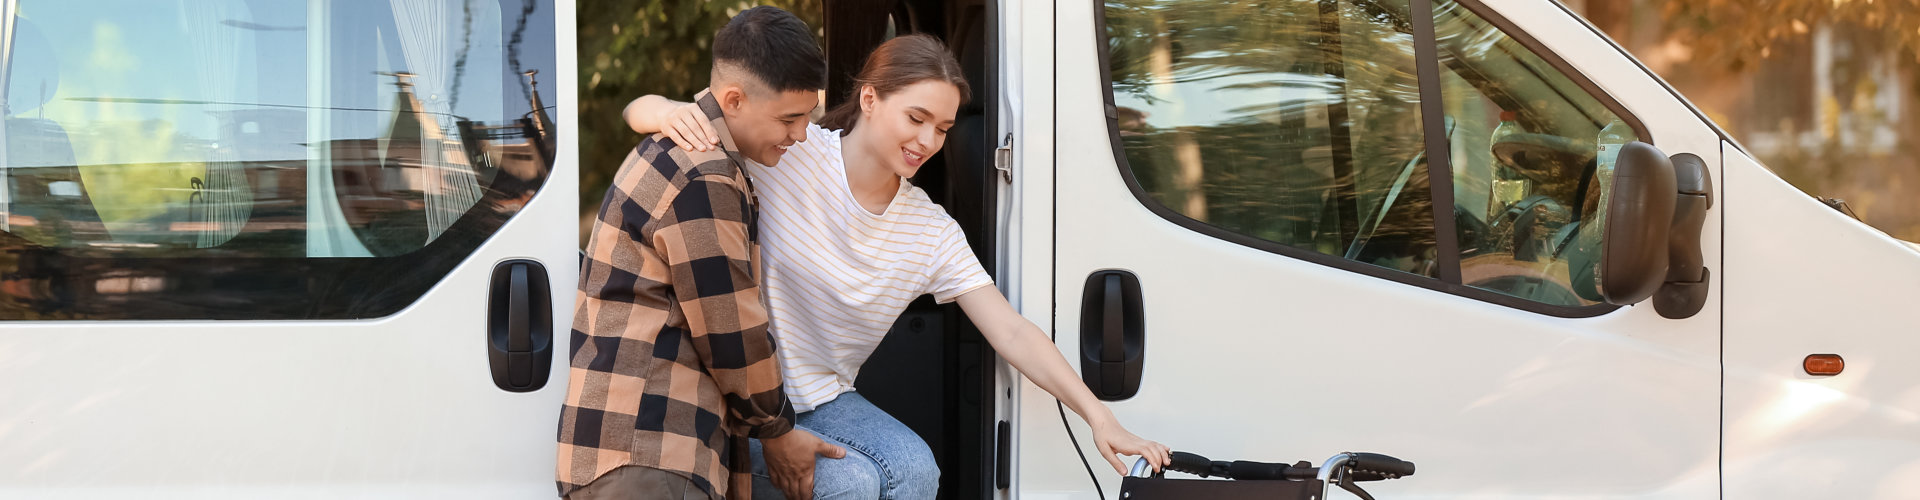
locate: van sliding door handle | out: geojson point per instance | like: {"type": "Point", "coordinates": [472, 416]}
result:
{"type": "Point", "coordinates": [1112, 335]}
{"type": "Point", "coordinates": [519, 326]}
{"type": "Point", "coordinates": [1113, 350]}
{"type": "Point", "coordinates": [518, 339]}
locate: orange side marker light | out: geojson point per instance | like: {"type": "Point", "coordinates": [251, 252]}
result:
{"type": "Point", "coordinates": [1823, 364]}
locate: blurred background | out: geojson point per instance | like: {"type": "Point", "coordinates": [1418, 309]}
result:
{"type": "Point", "coordinates": [631, 48]}
{"type": "Point", "coordinates": [1818, 90]}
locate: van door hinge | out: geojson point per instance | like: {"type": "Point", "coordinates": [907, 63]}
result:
{"type": "Point", "coordinates": [1003, 159]}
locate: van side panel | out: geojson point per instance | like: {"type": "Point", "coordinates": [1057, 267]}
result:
{"type": "Point", "coordinates": [1038, 468]}
{"type": "Point", "coordinates": [1260, 356]}
{"type": "Point", "coordinates": [1804, 279]}
{"type": "Point", "coordinates": [400, 407]}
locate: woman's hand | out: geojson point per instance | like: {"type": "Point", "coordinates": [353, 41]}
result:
{"type": "Point", "coordinates": [689, 128]}
{"type": "Point", "coordinates": [1114, 440]}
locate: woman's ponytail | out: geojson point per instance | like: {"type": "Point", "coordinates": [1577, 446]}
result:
{"type": "Point", "coordinates": [896, 64]}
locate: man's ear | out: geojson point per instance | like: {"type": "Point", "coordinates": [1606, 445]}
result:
{"type": "Point", "coordinates": [731, 97]}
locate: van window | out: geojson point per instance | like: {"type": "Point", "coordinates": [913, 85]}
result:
{"type": "Point", "coordinates": [1299, 124]}
{"type": "Point", "coordinates": [1531, 153]}
{"type": "Point", "coordinates": [1296, 123]}
{"type": "Point", "coordinates": [249, 159]}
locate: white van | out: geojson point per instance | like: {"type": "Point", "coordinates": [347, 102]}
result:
{"type": "Point", "coordinates": [285, 249]}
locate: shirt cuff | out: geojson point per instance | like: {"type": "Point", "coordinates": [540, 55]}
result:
{"type": "Point", "coordinates": [949, 298]}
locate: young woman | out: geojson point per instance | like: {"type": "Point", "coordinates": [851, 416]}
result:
{"type": "Point", "coordinates": [847, 242]}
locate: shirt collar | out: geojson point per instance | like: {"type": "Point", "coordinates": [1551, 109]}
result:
{"type": "Point", "coordinates": [710, 106]}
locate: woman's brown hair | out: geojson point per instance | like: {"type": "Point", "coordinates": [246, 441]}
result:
{"type": "Point", "coordinates": [896, 64]}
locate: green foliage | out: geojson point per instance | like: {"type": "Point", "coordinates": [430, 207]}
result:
{"type": "Point", "coordinates": [631, 48]}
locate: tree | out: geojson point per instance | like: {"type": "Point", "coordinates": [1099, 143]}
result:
{"type": "Point", "coordinates": [1736, 34]}
{"type": "Point", "coordinates": [631, 48]}
{"type": "Point", "coordinates": [1728, 40]}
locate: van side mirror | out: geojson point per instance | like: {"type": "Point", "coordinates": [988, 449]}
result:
{"type": "Point", "coordinates": [1685, 291]}
{"type": "Point", "coordinates": [1633, 252]}
{"type": "Point", "coordinates": [1651, 241]}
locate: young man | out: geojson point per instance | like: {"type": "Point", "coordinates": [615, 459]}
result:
{"type": "Point", "coordinates": [672, 364]}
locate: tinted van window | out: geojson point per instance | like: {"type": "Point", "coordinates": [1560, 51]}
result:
{"type": "Point", "coordinates": [1532, 152]}
{"type": "Point", "coordinates": [1295, 122]}
{"type": "Point", "coordinates": [251, 159]}
{"type": "Point", "coordinates": [1299, 123]}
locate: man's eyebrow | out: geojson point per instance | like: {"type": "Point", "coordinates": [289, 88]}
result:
{"type": "Point", "coordinates": [928, 113]}
{"type": "Point", "coordinates": [790, 116]}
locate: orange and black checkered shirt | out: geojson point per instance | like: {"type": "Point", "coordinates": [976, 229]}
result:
{"type": "Point", "coordinates": [672, 364]}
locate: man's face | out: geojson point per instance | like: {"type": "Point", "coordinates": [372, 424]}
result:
{"type": "Point", "coordinates": [765, 123]}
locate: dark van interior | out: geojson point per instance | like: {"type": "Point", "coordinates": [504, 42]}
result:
{"type": "Point", "coordinates": [934, 372]}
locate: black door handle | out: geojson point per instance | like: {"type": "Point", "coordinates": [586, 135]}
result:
{"type": "Point", "coordinates": [1112, 337]}
{"type": "Point", "coordinates": [520, 326]}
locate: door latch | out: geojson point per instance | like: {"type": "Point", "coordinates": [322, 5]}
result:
{"type": "Point", "coordinates": [1003, 159]}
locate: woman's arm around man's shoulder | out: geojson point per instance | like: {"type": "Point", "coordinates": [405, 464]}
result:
{"type": "Point", "coordinates": [683, 123]}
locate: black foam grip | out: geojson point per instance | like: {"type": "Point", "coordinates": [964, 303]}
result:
{"type": "Point", "coordinates": [1381, 465]}
{"type": "Point", "coordinates": [1191, 464]}
{"type": "Point", "coordinates": [1241, 469]}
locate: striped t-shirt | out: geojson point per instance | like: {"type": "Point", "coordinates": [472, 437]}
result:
{"type": "Point", "coordinates": [837, 275]}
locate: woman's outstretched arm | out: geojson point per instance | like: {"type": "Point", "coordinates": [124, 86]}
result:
{"type": "Point", "coordinates": [1030, 351]}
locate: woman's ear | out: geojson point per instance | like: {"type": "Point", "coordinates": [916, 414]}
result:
{"type": "Point", "coordinates": [868, 98]}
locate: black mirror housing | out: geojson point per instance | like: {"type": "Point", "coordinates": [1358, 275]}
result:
{"type": "Point", "coordinates": [1634, 246]}
{"type": "Point", "coordinates": [1685, 291]}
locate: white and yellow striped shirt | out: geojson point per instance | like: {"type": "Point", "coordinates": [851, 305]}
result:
{"type": "Point", "coordinates": [838, 276]}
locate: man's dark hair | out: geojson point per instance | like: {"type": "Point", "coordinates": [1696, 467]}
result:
{"type": "Point", "coordinates": [773, 46]}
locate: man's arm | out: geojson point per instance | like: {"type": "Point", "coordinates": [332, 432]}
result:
{"type": "Point", "coordinates": [704, 242]}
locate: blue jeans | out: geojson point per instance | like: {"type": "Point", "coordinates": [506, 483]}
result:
{"type": "Point", "coordinates": [885, 460]}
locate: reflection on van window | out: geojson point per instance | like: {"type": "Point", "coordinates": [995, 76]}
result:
{"type": "Point", "coordinates": [1295, 122]}
{"type": "Point", "coordinates": [253, 159]}
{"type": "Point", "coordinates": [1298, 122]}
{"type": "Point", "coordinates": [1532, 153]}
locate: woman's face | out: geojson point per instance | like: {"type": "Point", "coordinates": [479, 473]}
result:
{"type": "Point", "coordinates": [910, 125]}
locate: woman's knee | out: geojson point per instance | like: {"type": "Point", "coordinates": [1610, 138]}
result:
{"type": "Point", "coordinates": [916, 474]}
{"type": "Point", "coordinates": [853, 477]}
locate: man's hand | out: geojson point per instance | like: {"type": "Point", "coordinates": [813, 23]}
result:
{"type": "Point", "coordinates": [790, 461]}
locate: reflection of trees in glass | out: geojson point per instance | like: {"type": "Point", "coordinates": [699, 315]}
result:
{"type": "Point", "coordinates": [186, 186]}
{"type": "Point", "coordinates": [1286, 120]}
{"type": "Point", "coordinates": [1525, 177]}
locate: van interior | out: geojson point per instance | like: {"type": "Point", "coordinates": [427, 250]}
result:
{"type": "Point", "coordinates": [934, 372]}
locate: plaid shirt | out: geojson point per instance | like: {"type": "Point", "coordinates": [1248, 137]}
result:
{"type": "Point", "coordinates": [672, 364]}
